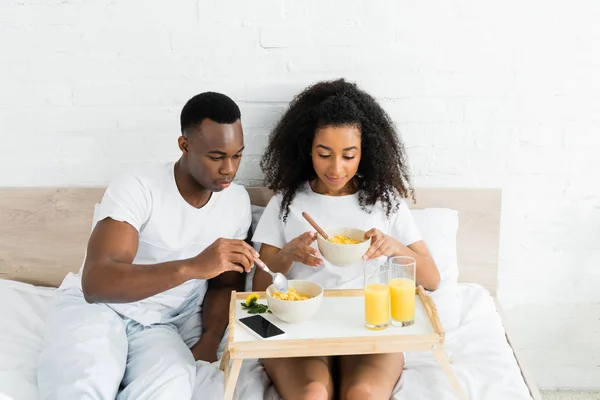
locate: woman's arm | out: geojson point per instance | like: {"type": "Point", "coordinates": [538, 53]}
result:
{"type": "Point", "coordinates": [427, 273]}
{"type": "Point", "coordinates": [276, 261]}
{"type": "Point", "coordinates": [280, 260]}
{"type": "Point", "coordinates": [426, 270]}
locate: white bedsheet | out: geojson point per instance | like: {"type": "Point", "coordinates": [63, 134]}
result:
{"type": "Point", "coordinates": [481, 357]}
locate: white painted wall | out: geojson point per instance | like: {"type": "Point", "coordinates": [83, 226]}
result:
{"type": "Point", "coordinates": [501, 94]}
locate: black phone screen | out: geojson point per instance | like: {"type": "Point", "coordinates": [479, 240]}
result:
{"type": "Point", "coordinates": [261, 326]}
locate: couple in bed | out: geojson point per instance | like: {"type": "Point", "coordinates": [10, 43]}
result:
{"type": "Point", "coordinates": [168, 246]}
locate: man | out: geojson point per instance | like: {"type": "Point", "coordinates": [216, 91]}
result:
{"type": "Point", "coordinates": [165, 239]}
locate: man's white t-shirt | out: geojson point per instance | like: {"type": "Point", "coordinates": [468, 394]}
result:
{"type": "Point", "coordinates": [169, 229]}
{"type": "Point", "coordinates": [332, 212]}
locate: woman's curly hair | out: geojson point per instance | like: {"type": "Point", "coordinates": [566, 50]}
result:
{"type": "Point", "coordinates": [382, 174]}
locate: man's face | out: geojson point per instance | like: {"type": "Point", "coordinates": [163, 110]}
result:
{"type": "Point", "coordinates": [214, 153]}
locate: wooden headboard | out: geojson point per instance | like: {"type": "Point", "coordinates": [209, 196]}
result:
{"type": "Point", "coordinates": [44, 231]}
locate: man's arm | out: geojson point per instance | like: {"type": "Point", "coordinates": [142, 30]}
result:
{"type": "Point", "coordinates": [215, 314]}
{"type": "Point", "coordinates": [110, 277]}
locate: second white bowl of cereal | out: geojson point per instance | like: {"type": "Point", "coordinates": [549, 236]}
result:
{"type": "Point", "coordinates": [345, 246]}
{"type": "Point", "coordinates": [298, 305]}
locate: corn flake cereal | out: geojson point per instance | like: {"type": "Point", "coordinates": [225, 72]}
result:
{"type": "Point", "coordinates": [291, 295]}
{"type": "Point", "coordinates": [341, 239]}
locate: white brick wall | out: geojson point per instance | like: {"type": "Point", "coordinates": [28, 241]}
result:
{"type": "Point", "coordinates": [502, 94]}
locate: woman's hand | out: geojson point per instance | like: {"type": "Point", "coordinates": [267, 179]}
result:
{"type": "Point", "coordinates": [299, 250]}
{"type": "Point", "coordinates": [381, 245]}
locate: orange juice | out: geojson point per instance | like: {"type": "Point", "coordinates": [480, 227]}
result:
{"type": "Point", "coordinates": [377, 305]}
{"type": "Point", "coordinates": [402, 292]}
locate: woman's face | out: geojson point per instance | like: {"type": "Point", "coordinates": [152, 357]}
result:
{"type": "Point", "coordinates": [335, 157]}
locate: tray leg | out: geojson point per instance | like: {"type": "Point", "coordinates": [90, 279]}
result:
{"type": "Point", "coordinates": [224, 365]}
{"type": "Point", "coordinates": [231, 378]}
{"type": "Point", "coordinates": [440, 356]}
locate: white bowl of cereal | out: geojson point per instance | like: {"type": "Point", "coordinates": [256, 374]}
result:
{"type": "Point", "coordinates": [345, 246]}
{"type": "Point", "coordinates": [298, 305]}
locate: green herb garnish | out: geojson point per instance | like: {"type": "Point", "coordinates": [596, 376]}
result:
{"type": "Point", "coordinates": [253, 307]}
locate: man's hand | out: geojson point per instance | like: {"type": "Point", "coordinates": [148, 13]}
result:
{"type": "Point", "coordinates": [381, 245]}
{"type": "Point", "coordinates": [221, 256]}
{"type": "Point", "coordinates": [299, 250]}
{"type": "Point", "coordinates": [205, 350]}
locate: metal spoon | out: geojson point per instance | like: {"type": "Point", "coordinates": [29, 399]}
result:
{"type": "Point", "coordinates": [279, 280]}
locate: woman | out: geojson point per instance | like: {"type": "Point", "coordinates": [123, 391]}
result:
{"type": "Point", "coordinates": [336, 155]}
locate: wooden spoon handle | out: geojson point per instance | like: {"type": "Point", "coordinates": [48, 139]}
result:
{"type": "Point", "coordinates": [314, 225]}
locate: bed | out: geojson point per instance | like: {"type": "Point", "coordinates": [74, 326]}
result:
{"type": "Point", "coordinates": [43, 233]}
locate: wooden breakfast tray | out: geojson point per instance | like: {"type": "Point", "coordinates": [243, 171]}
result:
{"type": "Point", "coordinates": [337, 329]}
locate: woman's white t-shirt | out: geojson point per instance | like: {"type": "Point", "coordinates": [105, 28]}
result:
{"type": "Point", "coordinates": [332, 212]}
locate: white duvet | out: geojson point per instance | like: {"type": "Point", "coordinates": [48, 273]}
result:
{"type": "Point", "coordinates": [480, 355]}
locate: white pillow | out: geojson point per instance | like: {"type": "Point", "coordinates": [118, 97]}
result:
{"type": "Point", "coordinates": [438, 227]}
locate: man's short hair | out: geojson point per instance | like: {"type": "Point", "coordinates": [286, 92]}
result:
{"type": "Point", "coordinates": [211, 105]}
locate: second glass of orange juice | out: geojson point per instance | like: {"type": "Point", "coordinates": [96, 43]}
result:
{"type": "Point", "coordinates": [402, 290]}
{"type": "Point", "coordinates": [377, 296]}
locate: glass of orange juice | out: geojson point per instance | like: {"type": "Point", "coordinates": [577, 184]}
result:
{"type": "Point", "coordinates": [402, 274]}
{"type": "Point", "coordinates": [377, 296]}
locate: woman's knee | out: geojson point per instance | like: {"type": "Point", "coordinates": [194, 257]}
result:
{"type": "Point", "coordinates": [370, 376]}
{"type": "Point", "coordinates": [362, 390]}
{"type": "Point", "coordinates": [315, 391]}
{"type": "Point", "coordinates": [301, 379]}
{"type": "Point", "coordinates": [307, 378]}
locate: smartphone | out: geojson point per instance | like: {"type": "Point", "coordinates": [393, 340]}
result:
{"type": "Point", "coordinates": [262, 327]}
